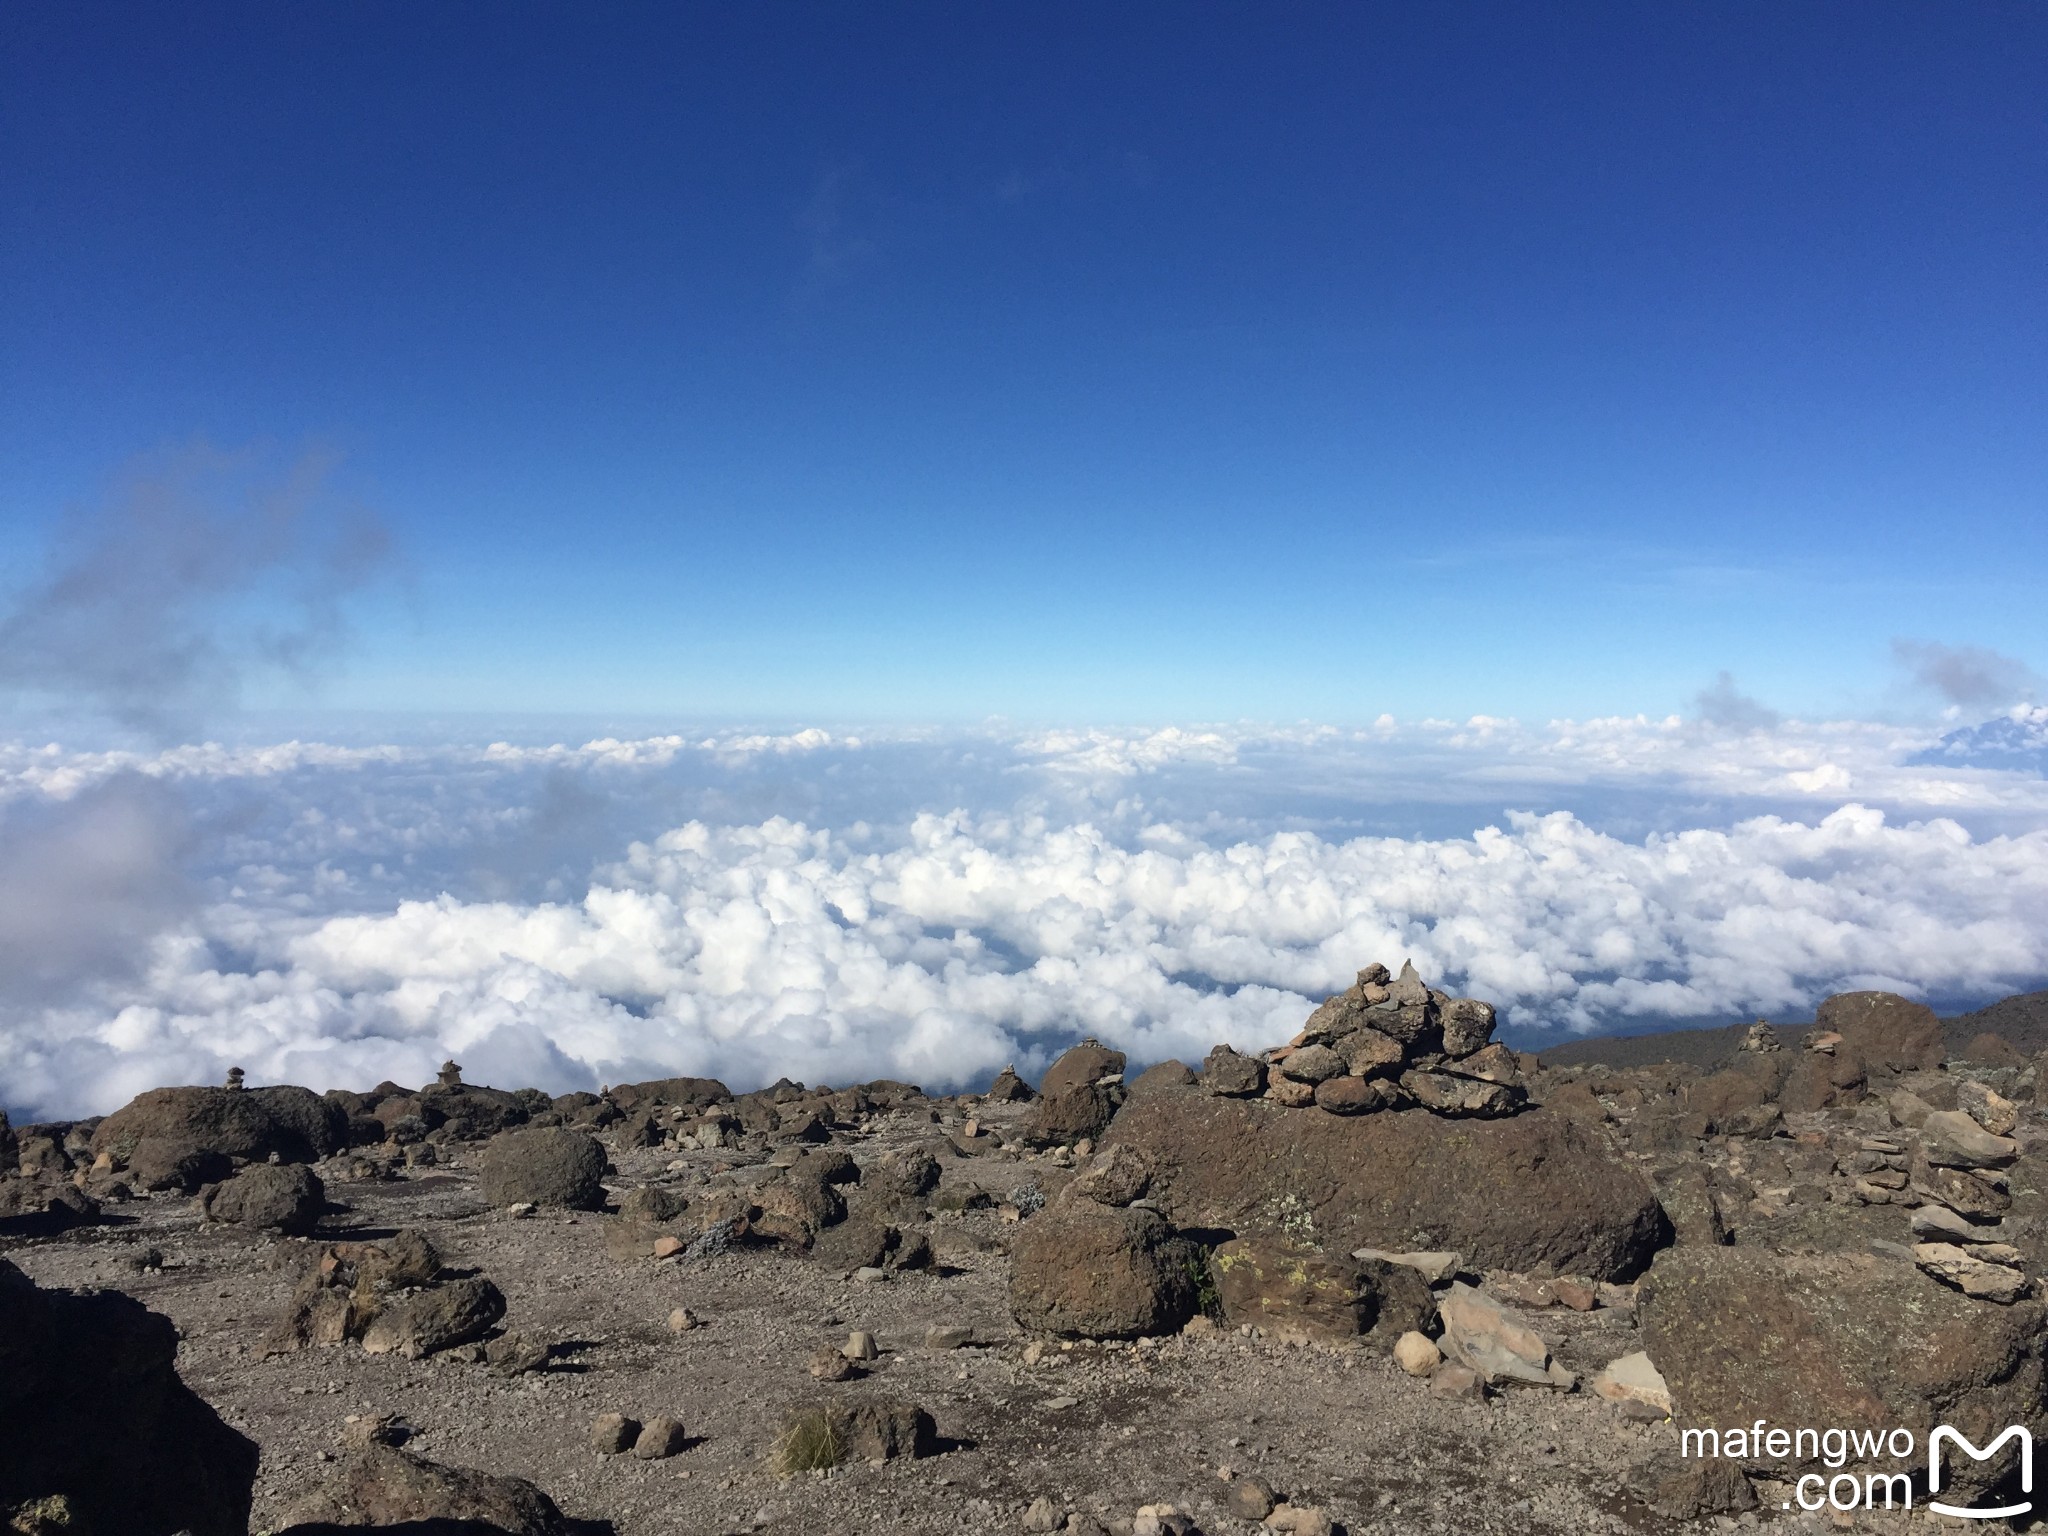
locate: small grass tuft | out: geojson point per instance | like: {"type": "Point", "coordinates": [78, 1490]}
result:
{"type": "Point", "coordinates": [809, 1442]}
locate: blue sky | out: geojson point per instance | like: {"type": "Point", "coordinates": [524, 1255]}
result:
{"type": "Point", "coordinates": [1146, 362]}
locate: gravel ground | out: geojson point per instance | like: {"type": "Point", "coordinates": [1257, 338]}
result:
{"type": "Point", "coordinates": [1102, 1429]}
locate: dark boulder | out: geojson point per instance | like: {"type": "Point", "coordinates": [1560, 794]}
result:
{"type": "Point", "coordinates": [1166, 1077]}
{"type": "Point", "coordinates": [1098, 1272]}
{"type": "Point", "coordinates": [1069, 1114]}
{"type": "Point", "coordinates": [92, 1410]}
{"type": "Point", "coordinates": [1230, 1075]}
{"type": "Point", "coordinates": [679, 1092]}
{"type": "Point", "coordinates": [1293, 1293]}
{"type": "Point", "coordinates": [383, 1486]}
{"type": "Point", "coordinates": [1838, 1339]}
{"type": "Point", "coordinates": [1889, 1033]}
{"type": "Point", "coordinates": [440, 1317]}
{"type": "Point", "coordinates": [167, 1126]}
{"type": "Point", "coordinates": [287, 1197]}
{"type": "Point", "coordinates": [547, 1165]}
{"type": "Point", "coordinates": [1081, 1065]}
{"type": "Point", "coordinates": [468, 1112]}
{"type": "Point", "coordinates": [1008, 1088]}
{"type": "Point", "coordinates": [905, 1173]}
{"type": "Point", "coordinates": [1536, 1192]}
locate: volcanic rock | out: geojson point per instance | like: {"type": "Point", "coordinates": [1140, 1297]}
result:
{"type": "Point", "coordinates": [92, 1411]}
{"type": "Point", "coordinates": [1535, 1192]}
{"type": "Point", "coordinates": [1313, 1063]}
{"type": "Point", "coordinates": [660, 1438]}
{"type": "Point", "coordinates": [1114, 1176]}
{"type": "Point", "coordinates": [286, 1196]}
{"type": "Point", "coordinates": [1689, 1488]}
{"type": "Point", "coordinates": [873, 1429]}
{"type": "Point", "coordinates": [1954, 1140]}
{"type": "Point", "coordinates": [1467, 1025]}
{"type": "Point", "coordinates": [546, 1165]}
{"type": "Point", "coordinates": [906, 1174]}
{"type": "Point", "coordinates": [1291, 1292]}
{"type": "Point", "coordinates": [1091, 1271]}
{"type": "Point", "coordinates": [1451, 1095]}
{"type": "Point", "coordinates": [1972, 1271]}
{"type": "Point", "coordinates": [1632, 1379]}
{"type": "Point", "coordinates": [1163, 1077]}
{"type": "Point", "coordinates": [1492, 1339]}
{"type": "Point", "coordinates": [1008, 1088]}
{"type": "Point", "coordinates": [1357, 1095]}
{"type": "Point", "coordinates": [681, 1092]}
{"type": "Point", "coordinates": [1369, 1053]}
{"type": "Point", "coordinates": [1416, 1353]}
{"type": "Point", "coordinates": [181, 1134]}
{"type": "Point", "coordinates": [1889, 1033]}
{"type": "Point", "coordinates": [1837, 1339]}
{"type": "Point", "coordinates": [1989, 1108]}
{"type": "Point", "coordinates": [470, 1112]}
{"type": "Point", "coordinates": [439, 1318]}
{"type": "Point", "coordinates": [1068, 1115]}
{"type": "Point", "coordinates": [380, 1485]}
{"type": "Point", "coordinates": [613, 1434]}
{"type": "Point", "coordinates": [1079, 1066]}
{"type": "Point", "coordinates": [1227, 1073]}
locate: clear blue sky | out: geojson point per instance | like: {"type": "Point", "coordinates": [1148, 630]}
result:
{"type": "Point", "coordinates": [1079, 361]}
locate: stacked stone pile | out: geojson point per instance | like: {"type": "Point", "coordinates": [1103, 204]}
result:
{"type": "Point", "coordinates": [1957, 1172]}
{"type": "Point", "coordinates": [1386, 1042]}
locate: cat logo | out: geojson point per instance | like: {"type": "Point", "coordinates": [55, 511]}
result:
{"type": "Point", "coordinates": [2015, 1431]}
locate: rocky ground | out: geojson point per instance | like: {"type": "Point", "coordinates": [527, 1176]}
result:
{"type": "Point", "coordinates": [1167, 1304]}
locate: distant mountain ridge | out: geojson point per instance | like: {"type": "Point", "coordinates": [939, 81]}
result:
{"type": "Point", "coordinates": [2018, 739]}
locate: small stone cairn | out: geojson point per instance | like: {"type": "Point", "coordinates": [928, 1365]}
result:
{"type": "Point", "coordinates": [1386, 1042]}
{"type": "Point", "coordinates": [1761, 1038]}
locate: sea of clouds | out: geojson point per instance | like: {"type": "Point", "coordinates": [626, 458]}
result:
{"type": "Point", "coordinates": [566, 910]}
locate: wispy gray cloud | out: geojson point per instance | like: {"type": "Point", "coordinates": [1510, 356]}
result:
{"type": "Point", "coordinates": [1966, 674]}
{"type": "Point", "coordinates": [85, 883]}
{"type": "Point", "coordinates": [1726, 708]}
{"type": "Point", "coordinates": [203, 567]}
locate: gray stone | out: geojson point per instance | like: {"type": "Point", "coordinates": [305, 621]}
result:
{"type": "Point", "coordinates": [287, 1197]}
{"type": "Point", "coordinates": [660, 1438]}
{"type": "Point", "coordinates": [613, 1434]}
{"type": "Point", "coordinates": [429, 1321]}
{"type": "Point", "coordinates": [1491, 1339]}
{"type": "Point", "coordinates": [1231, 1075]}
{"type": "Point", "coordinates": [543, 1165]}
{"type": "Point", "coordinates": [1954, 1140]}
{"type": "Point", "coordinates": [1467, 1026]}
{"type": "Point", "coordinates": [1311, 1064]}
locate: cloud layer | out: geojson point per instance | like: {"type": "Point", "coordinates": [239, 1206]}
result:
{"type": "Point", "coordinates": [930, 906]}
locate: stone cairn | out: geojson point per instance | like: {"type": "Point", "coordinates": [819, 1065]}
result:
{"type": "Point", "coordinates": [1384, 1043]}
{"type": "Point", "coordinates": [1957, 1173]}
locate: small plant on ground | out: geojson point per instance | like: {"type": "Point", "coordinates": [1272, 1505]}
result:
{"type": "Point", "coordinates": [1202, 1275]}
{"type": "Point", "coordinates": [809, 1442]}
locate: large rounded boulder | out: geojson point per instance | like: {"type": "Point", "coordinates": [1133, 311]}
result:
{"type": "Point", "coordinates": [285, 1197]}
{"type": "Point", "coordinates": [545, 1165]}
{"type": "Point", "coordinates": [1889, 1034]}
{"type": "Point", "coordinates": [1536, 1192]}
{"type": "Point", "coordinates": [1845, 1340]}
{"type": "Point", "coordinates": [1090, 1271]}
{"type": "Point", "coordinates": [179, 1137]}
{"type": "Point", "coordinates": [470, 1112]}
